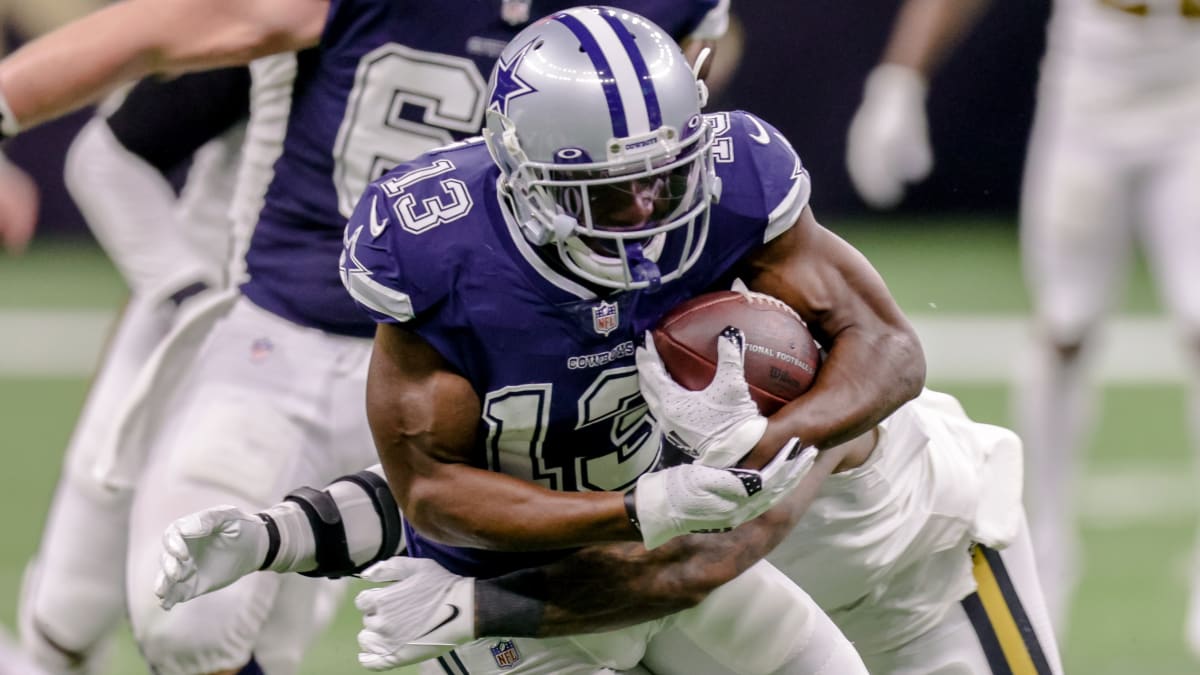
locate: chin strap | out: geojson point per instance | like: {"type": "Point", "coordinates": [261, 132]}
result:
{"type": "Point", "coordinates": [701, 86]}
{"type": "Point", "coordinates": [643, 268]}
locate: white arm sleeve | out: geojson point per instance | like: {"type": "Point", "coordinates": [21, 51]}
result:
{"type": "Point", "coordinates": [130, 207]}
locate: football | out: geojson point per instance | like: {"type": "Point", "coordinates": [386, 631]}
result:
{"type": "Point", "coordinates": [781, 356]}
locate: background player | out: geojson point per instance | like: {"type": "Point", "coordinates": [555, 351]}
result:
{"type": "Point", "coordinates": [225, 431]}
{"type": "Point", "coordinates": [168, 249]}
{"type": "Point", "coordinates": [889, 547]}
{"type": "Point", "coordinates": [1114, 157]}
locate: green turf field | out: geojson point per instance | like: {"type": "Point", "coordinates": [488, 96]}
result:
{"type": "Point", "coordinates": [1138, 504]}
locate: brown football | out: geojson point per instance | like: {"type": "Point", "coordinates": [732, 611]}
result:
{"type": "Point", "coordinates": [781, 356]}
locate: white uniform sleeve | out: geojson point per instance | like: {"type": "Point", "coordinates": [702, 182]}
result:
{"type": "Point", "coordinates": [130, 207]}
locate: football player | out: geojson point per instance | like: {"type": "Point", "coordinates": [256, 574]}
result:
{"type": "Point", "coordinates": [1114, 158]}
{"type": "Point", "coordinates": [505, 372]}
{"type": "Point", "coordinates": [504, 378]}
{"type": "Point", "coordinates": [263, 387]}
{"type": "Point", "coordinates": [170, 250]}
{"type": "Point", "coordinates": [920, 555]}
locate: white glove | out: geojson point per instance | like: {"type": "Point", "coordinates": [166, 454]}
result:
{"type": "Point", "coordinates": [694, 498]}
{"type": "Point", "coordinates": [208, 550]}
{"type": "Point", "coordinates": [888, 145]}
{"type": "Point", "coordinates": [427, 612]}
{"type": "Point", "coordinates": [717, 425]}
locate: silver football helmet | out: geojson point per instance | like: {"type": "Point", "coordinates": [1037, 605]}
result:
{"type": "Point", "coordinates": [594, 119]}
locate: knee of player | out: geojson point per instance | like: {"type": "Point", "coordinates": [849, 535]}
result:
{"type": "Point", "coordinates": [207, 644]}
{"type": "Point", "coordinates": [1066, 338]}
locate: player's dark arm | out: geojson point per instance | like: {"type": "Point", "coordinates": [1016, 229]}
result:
{"type": "Point", "coordinates": [874, 363]}
{"type": "Point", "coordinates": [610, 586]}
{"type": "Point", "coordinates": [76, 64]}
{"type": "Point", "coordinates": [424, 419]}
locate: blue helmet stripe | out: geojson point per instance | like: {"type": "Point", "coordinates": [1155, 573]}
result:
{"type": "Point", "coordinates": [616, 108]}
{"type": "Point", "coordinates": [639, 65]}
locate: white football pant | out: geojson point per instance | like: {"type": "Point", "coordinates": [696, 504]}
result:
{"type": "Point", "coordinates": [1113, 161]}
{"type": "Point", "coordinates": [267, 405]}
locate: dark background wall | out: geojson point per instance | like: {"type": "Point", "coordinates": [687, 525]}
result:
{"type": "Point", "coordinates": [803, 68]}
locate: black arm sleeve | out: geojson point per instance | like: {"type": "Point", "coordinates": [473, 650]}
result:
{"type": "Point", "coordinates": [164, 121]}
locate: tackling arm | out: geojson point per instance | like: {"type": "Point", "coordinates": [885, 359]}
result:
{"type": "Point", "coordinates": [874, 363]}
{"type": "Point", "coordinates": [76, 64]}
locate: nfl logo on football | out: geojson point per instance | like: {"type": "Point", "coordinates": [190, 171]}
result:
{"type": "Point", "coordinates": [506, 654]}
{"type": "Point", "coordinates": [604, 318]}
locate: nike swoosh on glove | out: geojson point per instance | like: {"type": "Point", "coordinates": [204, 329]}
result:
{"type": "Point", "coordinates": [425, 613]}
{"type": "Point", "coordinates": [206, 551]}
{"type": "Point", "coordinates": [717, 425]}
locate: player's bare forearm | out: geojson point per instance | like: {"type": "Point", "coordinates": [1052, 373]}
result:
{"type": "Point", "coordinates": [81, 61]}
{"type": "Point", "coordinates": [926, 31]}
{"type": "Point", "coordinates": [424, 419]}
{"type": "Point", "coordinates": [610, 586]}
{"type": "Point", "coordinates": [874, 363]}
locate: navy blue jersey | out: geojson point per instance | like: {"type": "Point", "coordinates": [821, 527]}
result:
{"type": "Point", "coordinates": [390, 80]}
{"type": "Point", "coordinates": [553, 364]}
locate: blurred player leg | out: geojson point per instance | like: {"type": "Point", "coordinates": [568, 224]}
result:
{"type": "Point", "coordinates": [304, 608]}
{"type": "Point", "coordinates": [72, 597]}
{"type": "Point", "coordinates": [719, 634]}
{"type": "Point", "coordinates": [13, 661]}
{"type": "Point", "coordinates": [1075, 243]}
{"type": "Point", "coordinates": [1172, 243]}
{"type": "Point", "coordinates": [240, 434]}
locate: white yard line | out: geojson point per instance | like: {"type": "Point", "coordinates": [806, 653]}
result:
{"type": "Point", "coordinates": [959, 348]}
{"type": "Point", "coordinates": [988, 347]}
{"type": "Point", "coordinates": [45, 343]}
{"type": "Point", "coordinates": [1118, 496]}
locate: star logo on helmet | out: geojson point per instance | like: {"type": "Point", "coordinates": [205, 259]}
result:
{"type": "Point", "coordinates": [509, 85]}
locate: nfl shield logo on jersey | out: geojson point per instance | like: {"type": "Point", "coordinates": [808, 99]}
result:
{"type": "Point", "coordinates": [506, 654]}
{"type": "Point", "coordinates": [605, 318]}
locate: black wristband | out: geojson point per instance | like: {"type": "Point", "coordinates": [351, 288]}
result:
{"type": "Point", "coordinates": [631, 511]}
{"type": "Point", "coordinates": [503, 609]}
{"type": "Point", "coordinates": [272, 540]}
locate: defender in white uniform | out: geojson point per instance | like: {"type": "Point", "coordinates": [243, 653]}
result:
{"type": "Point", "coordinates": [1114, 160]}
{"type": "Point", "coordinates": [921, 556]}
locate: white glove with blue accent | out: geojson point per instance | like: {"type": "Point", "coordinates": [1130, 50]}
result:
{"type": "Point", "coordinates": [717, 425]}
{"type": "Point", "coordinates": [425, 613]}
{"type": "Point", "coordinates": [888, 145]}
